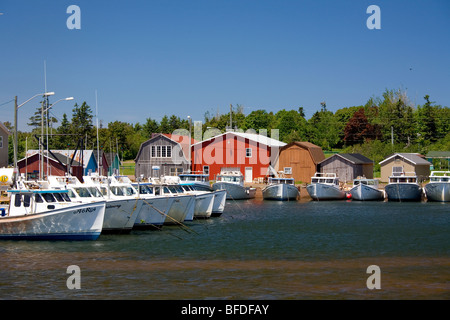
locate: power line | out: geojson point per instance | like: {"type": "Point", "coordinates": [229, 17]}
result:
{"type": "Point", "coordinates": [6, 102]}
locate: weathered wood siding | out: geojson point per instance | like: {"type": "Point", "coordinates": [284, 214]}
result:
{"type": "Point", "coordinates": [145, 161]}
{"type": "Point", "coordinates": [346, 170]}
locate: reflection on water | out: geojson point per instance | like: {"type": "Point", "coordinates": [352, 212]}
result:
{"type": "Point", "coordinates": [255, 250]}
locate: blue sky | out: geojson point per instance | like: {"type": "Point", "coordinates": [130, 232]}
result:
{"type": "Point", "coordinates": [147, 59]}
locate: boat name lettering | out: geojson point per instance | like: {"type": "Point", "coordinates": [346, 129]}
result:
{"type": "Point", "coordinates": [113, 206]}
{"type": "Point", "coordinates": [84, 210]}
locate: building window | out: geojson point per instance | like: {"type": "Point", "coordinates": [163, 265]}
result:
{"type": "Point", "coordinates": [206, 169]}
{"type": "Point", "coordinates": [176, 171]}
{"type": "Point", "coordinates": [158, 151]}
{"type": "Point", "coordinates": [248, 152]}
{"type": "Point", "coordinates": [161, 151]}
{"type": "Point", "coordinates": [287, 170]}
{"type": "Point", "coordinates": [1, 142]}
{"type": "Point", "coordinates": [397, 171]}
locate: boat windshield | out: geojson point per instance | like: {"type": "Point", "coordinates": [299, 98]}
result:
{"type": "Point", "coordinates": [229, 179]}
{"type": "Point", "coordinates": [145, 189]}
{"type": "Point", "coordinates": [117, 191]}
{"type": "Point", "coordinates": [129, 191]}
{"type": "Point", "coordinates": [83, 192]}
{"type": "Point", "coordinates": [95, 192]}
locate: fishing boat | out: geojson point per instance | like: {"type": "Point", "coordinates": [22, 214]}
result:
{"type": "Point", "coordinates": [280, 189]}
{"type": "Point", "coordinates": [233, 182]}
{"type": "Point", "coordinates": [182, 208]}
{"type": "Point", "coordinates": [438, 189]}
{"type": "Point", "coordinates": [403, 186]}
{"type": "Point", "coordinates": [325, 186]}
{"type": "Point", "coordinates": [366, 189]}
{"type": "Point", "coordinates": [204, 200]}
{"type": "Point", "coordinates": [120, 212]}
{"type": "Point", "coordinates": [155, 208]}
{"type": "Point", "coordinates": [45, 214]}
{"type": "Point", "coordinates": [200, 182]}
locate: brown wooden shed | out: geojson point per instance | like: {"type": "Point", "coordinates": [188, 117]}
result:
{"type": "Point", "coordinates": [299, 160]}
{"type": "Point", "coordinates": [348, 166]}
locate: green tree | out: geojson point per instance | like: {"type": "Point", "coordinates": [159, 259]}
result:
{"type": "Point", "coordinates": [150, 126]}
{"type": "Point", "coordinates": [81, 124]}
{"type": "Point", "coordinates": [63, 138]}
{"type": "Point", "coordinates": [324, 130]}
{"type": "Point", "coordinates": [396, 114]}
{"type": "Point", "coordinates": [291, 125]}
{"type": "Point", "coordinates": [259, 119]}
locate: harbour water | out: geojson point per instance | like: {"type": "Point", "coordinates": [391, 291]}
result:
{"type": "Point", "coordinates": [256, 250]}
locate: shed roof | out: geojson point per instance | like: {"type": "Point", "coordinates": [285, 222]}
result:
{"type": "Point", "coordinates": [57, 156]}
{"type": "Point", "coordinates": [414, 158]}
{"type": "Point", "coordinates": [315, 151]}
{"type": "Point", "coordinates": [4, 128]}
{"type": "Point", "coordinates": [355, 158]}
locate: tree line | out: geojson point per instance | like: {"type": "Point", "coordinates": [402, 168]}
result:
{"type": "Point", "coordinates": [386, 124]}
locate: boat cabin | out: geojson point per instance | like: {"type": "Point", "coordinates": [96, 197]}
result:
{"type": "Point", "coordinates": [367, 182]}
{"type": "Point", "coordinates": [325, 178]}
{"type": "Point", "coordinates": [440, 176]}
{"type": "Point", "coordinates": [403, 179]}
{"type": "Point", "coordinates": [194, 177]}
{"type": "Point", "coordinates": [151, 189]}
{"type": "Point", "coordinates": [281, 181]}
{"type": "Point", "coordinates": [34, 201]}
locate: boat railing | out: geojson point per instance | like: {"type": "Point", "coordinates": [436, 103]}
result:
{"type": "Point", "coordinates": [440, 174]}
{"type": "Point", "coordinates": [325, 175]}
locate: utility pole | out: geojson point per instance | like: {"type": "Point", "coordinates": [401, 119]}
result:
{"type": "Point", "coordinates": [15, 141]}
{"type": "Point", "coordinates": [231, 116]}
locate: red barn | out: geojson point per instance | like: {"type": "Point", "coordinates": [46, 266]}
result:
{"type": "Point", "coordinates": [30, 166]}
{"type": "Point", "coordinates": [251, 153]}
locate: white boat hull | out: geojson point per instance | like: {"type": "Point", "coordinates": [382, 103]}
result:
{"type": "Point", "coordinates": [120, 215]}
{"type": "Point", "coordinates": [154, 212]}
{"type": "Point", "coordinates": [190, 210]}
{"type": "Point", "coordinates": [235, 191]}
{"type": "Point", "coordinates": [281, 192]}
{"type": "Point", "coordinates": [178, 210]}
{"type": "Point", "coordinates": [319, 191]}
{"type": "Point", "coordinates": [364, 193]}
{"type": "Point", "coordinates": [438, 191]}
{"type": "Point", "coordinates": [220, 197]}
{"type": "Point", "coordinates": [203, 205]}
{"type": "Point", "coordinates": [76, 222]}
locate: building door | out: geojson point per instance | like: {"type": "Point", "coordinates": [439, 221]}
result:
{"type": "Point", "coordinates": [248, 174]}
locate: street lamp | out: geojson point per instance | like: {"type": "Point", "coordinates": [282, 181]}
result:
{"type": "Point", "coordinates": [16, 107]}
{"type": "Point", "coordinates": [42, 123]}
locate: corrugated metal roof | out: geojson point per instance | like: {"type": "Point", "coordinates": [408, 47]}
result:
{"type": "Point", "coordinates": [251, 136]}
